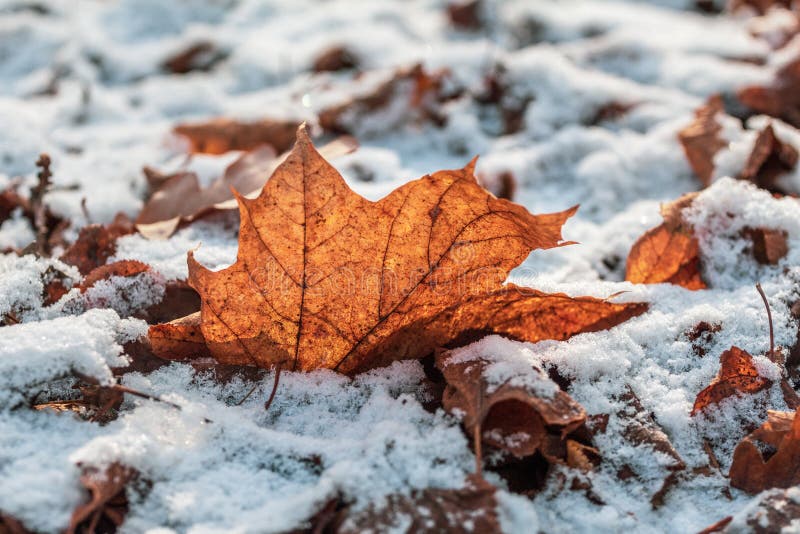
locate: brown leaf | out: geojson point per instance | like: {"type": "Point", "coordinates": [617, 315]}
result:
{"type": "Point", "coordinates": [719, 526]}
{"type": "Point", "coordinates": [514, 415]}
{"type": "Point", "coordinates": [96, 243]}
{"type": "Point", "coordinates": [769, 457]}
{"type": "Point", "coordinates": [107, 506]}
{"type": "Point", "coordinates": [760, 7]}
{"type": "Point", "coordinates": [327, 279]}
{"type": "Point", "coordinates": [181, 339]}
{"type": "Point", "coordinates": [9, 525]}
{"type": "Point", "coordinates": [737, 375]}
{"type": "Point", "coordinates": [502, 185]}
{"type": "Point", "coordinates": [470, 509]}
{"type": "Point", "coordinates": [200, 56]}
{"type": "Point", "coordinates": [465, 14]}
{"type": "Point", "coordinates": [334, 59]}
{"type": "Point", "coordinates": [123, 268]}
{"type": "Point", "coordinates": [773, 511]}
{"type": "Point", "coordinates": [662, 255]}
{"type": "Point", "coordinates": [781, 99]}
{"type": "Point", "coordinates": [769, 159]}
{"type": "Point", "coordinates": [769, 245]}
{"type": "Point", "coordinates": [701, 139]}
{"type": "Point", "coordinates": [222, 135]}
{"type": "Point", "coordinates": [415, 86]}
{"type": "Point", "coordinates": [179, 199]}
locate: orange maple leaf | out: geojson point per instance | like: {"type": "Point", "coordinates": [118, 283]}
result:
{"type": "Point", "coordinates": [327, 279]}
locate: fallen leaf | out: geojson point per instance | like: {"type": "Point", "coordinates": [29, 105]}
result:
{"type": "Point", "coordinates": [334, 59]}
{"type": "Point", "coordinates": [9, 525]}
{"type": "Point", "coordinates": [769, 245]}
{"type": "Point", "coordinates": [201, 56]}
{"type": "Point", "coordinates": [775, 510]}
{"type": "Point", "coordinates": [470, 509]}
{"type": "Point", "coordinates": [780, 99]}
{"type": "Point", "coordinates": [664, 255]}
{"type": "Point", "coordinates": [769, 457]}
{"type": "Point", "coordinates": [222, 135]}
{"type": "Point", "coordinates": [96, 243]}
{"type": "Point", "coordinates": [327, 279]}
{"type": "Point", "coordinates": [769, 159]}
{"type": "Point", "coordinates": [701, 139]}
{"type": "Point", "coordinates": [719, 526]}
{"type": "Point", "coordinates": [737, 375]}
{"type": "Point", "coordinates": [107, 506]}
{"type": "Point", "coordinates": [179, 199]}
{"type": "Point", "coordinates": [414, 89]}
{"type": "Point", "coordinates": [465, 14]}
{"type": "Point", "coordinates": [514, 408]}
{"type": "Point", "coordinates": [759, 7]}
{"type": "Point", "coordinates": [181, 339]}
{"type": "Point", "coordinates": [502, 185]}
{"type": "Point", "coordinates": [124, 268]}
{"type": "Point", "coordinates": [701, 335]}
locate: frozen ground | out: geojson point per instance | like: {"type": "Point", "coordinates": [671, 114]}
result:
{"type": "Point", "coordinates": [82, 81]}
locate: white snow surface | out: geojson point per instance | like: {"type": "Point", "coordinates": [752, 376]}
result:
{"type": "Point", "coordinates": [216, 466]}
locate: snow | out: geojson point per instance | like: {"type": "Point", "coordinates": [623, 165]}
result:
{"type": "Point", "coordinates": [86, 86]}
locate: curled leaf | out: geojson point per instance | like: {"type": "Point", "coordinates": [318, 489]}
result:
{"type": "Point", "coordinates": [769, 159]}
{"type": "Point", "coordinates": [769, 457]}
{"type": "Point", "coordinates": [107, 506]}
{"type": "Point", "coordinates": [780, 99]}
{"type": "Point", "coordinates": [512, 401]}
{"type": "Point", "coordinates": [669, 256]}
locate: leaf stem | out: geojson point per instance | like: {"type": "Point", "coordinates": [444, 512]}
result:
{"type": "Point", "coordinates": [274, 386]}
{"type": "Point", "coordinates": [769, 318]}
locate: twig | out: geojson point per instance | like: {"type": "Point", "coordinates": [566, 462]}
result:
{"type": "Point", "coordinates": [252, 389]}
{"type": "Point", "coordinates": [37, 203]}
{"type": "Point", "coordinates": [769, 318]}
{"type": "Point", "coordinates": [274, 386]}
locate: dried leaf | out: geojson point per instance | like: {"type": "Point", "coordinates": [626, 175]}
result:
{"type": "Point", "coordinates": [465, 14]}
{"type": "Point", "coordinates": [502, 185]}
{"type": "Point", "coordinates": [200, 56]}
{"type": "Point", "coordinates": [737, 375]}
{"type": "Point", "coordinates": [223, 135]}
{"type": "Point", "coordinates": [123, 268]}
{"type": "Point", "coordinates": [470, 509]}
{"type": "Point", "coordinates": [773, 511]}
{"type": "Point", "coordinates": [769, 159]}
{"type": "Point", "coordinates": [179, 199]}
{"type": "Point", "coordinates": [9, 525]}
{"type": "Point", "coordinates": [662, 255]}
{"type": "Point", "coordinates": [107, 505]}
{"type": "Point", "coordinates": [701, 139]}
{"type": "Point", "coordinates": [781, 99]}
{"type": "Point", "coordinates": [769, 245]}
{"type": "Point", "coordinates": [96, 243]}
{"type": "Point", "coordinates": [515, 415]}
{"type": "Point", "coordinates": [334, 59]}
{"type": "Point", "coordinates": [759, 7]}
{"type": "Point", "coordinates": [327, 279]}
{"type": "Point", "coordinates": [769, 457]}
{"type": "Point", "coordinates": [414, 88]}
{"type": "Point", "coordinates": [181, 339]}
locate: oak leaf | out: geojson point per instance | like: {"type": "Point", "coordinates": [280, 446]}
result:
{"type": "Point", "coordinates": [769, 457]}
{"type": "Point", "coordinates": [221, 135]}
{"type": "Point", "coordinates": [737, 375]}
{"type": "Point", "coordinates": [327, 279]}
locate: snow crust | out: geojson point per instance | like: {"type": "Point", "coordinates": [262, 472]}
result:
{"type": "Point", "coordinates": [217, 466]}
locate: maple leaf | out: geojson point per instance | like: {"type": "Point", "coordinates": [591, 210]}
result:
{"type": "Point", "coordinates": [514, 415]}
{"type": "Point", "coordinates": [327, 279]}
{"type": "Point", "coordinates": [701, 139]}
{"type": "Point", "coordinates": [668, 253]}
{"type": "Point", "coordinates": [754, 471]}
{"type": "Point", "coordinates": [737, 375]}
{"type": "Point", "coordinates": [179, 199]}
{"type": "Point", "coordinates": [222, 135]}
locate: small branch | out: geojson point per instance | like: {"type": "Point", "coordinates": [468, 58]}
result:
{"type": "Point", "coordinates": [274, 386]}
{"type": "Point", "coordinates": [769, 318]}
{"type": "Point", "coordinates": [252, 389]}
{"type": "Point", "coordinates": [37, 204]}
